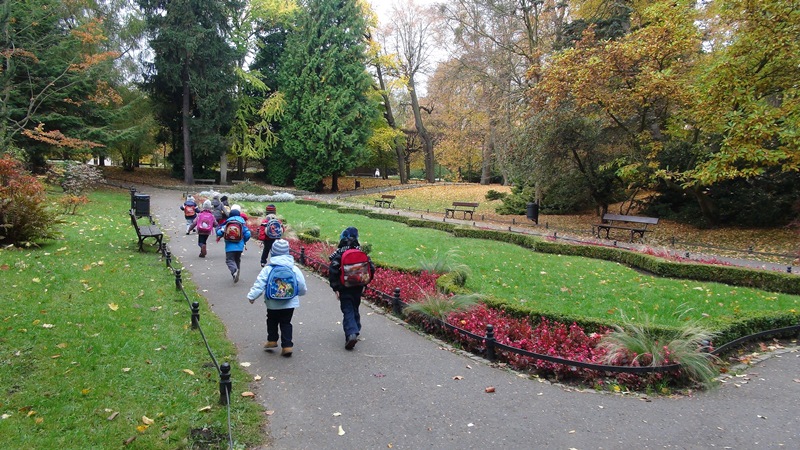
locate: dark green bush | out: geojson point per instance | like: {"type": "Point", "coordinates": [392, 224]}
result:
{"type": "Point", "coordinates": [495, 195]}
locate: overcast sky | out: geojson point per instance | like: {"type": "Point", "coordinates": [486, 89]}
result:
{"type": "Point", "coordinates": [383, 7]}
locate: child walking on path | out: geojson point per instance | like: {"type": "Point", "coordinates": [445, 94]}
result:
{"type": "Point", "coordinates": [236, 235]}
{"type": "Point", "coordinates": [189, 208]}
{"type": "Point", "coordinates": [266, 236]}
{"type": "Point", "coordinates": [205, 224]}
{"type": "Point", "coordinates": [279, 312]}
{"type": "Point", "coordinates": [349, 296]}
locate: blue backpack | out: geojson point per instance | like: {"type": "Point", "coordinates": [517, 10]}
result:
{"type": "Point", "coordinates": [274, 229]}
{"type": "Point", "coordinates": [281, 283]}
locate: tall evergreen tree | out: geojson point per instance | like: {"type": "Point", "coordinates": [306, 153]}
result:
{"type": "Point", "coordinates": [192, 76]}
{"type": "Point", "coordinates": [323, 76]}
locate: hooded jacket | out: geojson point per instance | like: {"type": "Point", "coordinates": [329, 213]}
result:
{"type": "Point", "coordinates": [218, 209]}
{"type": "Point", "coordinates": [235, 246]}
{"type": "Point", "coordinates": [260, 284]}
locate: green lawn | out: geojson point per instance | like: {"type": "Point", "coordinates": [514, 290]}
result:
{"type": "Point", "coordinates": [549, 283]}
{"type": "Point", "coordinates": [95, 337]}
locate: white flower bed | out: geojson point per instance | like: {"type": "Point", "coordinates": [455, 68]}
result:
{"type": "Point", "coordinates": [275, 198]}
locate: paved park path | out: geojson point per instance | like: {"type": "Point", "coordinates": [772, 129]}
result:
{"type": "Point", "coordinates": [401, 390]}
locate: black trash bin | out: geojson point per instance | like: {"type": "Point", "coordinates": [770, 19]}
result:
{"type": "Point", "coordinates": [141, 204]}
{"type": "Point", "coordinates": [533, 212]}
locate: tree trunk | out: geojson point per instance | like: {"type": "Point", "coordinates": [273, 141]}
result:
{"type": "Point", "coordinates": [223, 168]}
{"type": "Point", "coordinates": [488, 151]}
{"type": "Point", "coordinates": [427, 146]}
{"type": "Point", "coordinates": [706, 205]}
{"type": "Point", "coordinates": [188, 168]}
{"type": "Point", "coordinates": [335, 182]}
{"type": "Point", "coordinates": [389, 116]}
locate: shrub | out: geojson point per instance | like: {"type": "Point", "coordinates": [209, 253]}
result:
{"type": "Point", "coordinates": [70, 203]}
{"type": "Point", "coordinates": [495, 195]}
{"type": "Point", "coordinates": [24, 216]}
{"type": "Point", "coordinates": [79, 178]}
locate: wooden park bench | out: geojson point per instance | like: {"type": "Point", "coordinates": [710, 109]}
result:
{"type": "Point", "coordinates": [462, 207]}
{"type": "Point", "coordinates": [637, 225]}
{"type": "Point", "coordinates": [204, 181]}
{"type": "Point", "coordinates": [146, 231]}
{"type": "Point", "coordinates": [385, 201]}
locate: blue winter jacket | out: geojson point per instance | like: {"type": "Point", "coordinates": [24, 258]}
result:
{"type": "Point", "coordinates": [235, 246]}
{"type": "Point", "coordinates": [261, 283]}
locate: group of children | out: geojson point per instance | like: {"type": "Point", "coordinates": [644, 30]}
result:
{"type": "Point", "coordinates": [280, 281]}
{"type": "Point", "coordinates": [349, 272]}
{"type": "Point", "coordinates": [229, 223]}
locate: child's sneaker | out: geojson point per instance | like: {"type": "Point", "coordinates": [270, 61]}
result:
{"type": "Point", "coordinates": [236, 276]}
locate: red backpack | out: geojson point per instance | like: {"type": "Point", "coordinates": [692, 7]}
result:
{"type": "Point", "coordinates": [356, 268]}
{"type": "Point", "coordinates": [188, 210]}
{"type": "Point", "coordinates": [233, 231]}
{"type": "Point", "coordinates": [262, 231]}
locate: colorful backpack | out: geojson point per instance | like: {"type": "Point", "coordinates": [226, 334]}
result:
{"type": "Point", "coordinates": [189, 210]}
{"type": "Point", "coordinates": [274, 229]}
{"type": "Point", "coordinates": [356, 268]}
{"type": "Point", "coordinates": [281, 283]}
{"type": "Point", "coordinates": [233, 231]}
{"type": "Point", "coordinates": [270, 230]}
{"type": "Point", "coordinates": [205, 222]}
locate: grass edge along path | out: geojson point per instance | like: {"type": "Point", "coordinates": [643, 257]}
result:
{"type": "Point", "coordinates": [559, 286]}
{"type": "Point", "coordinates": [98, 349]}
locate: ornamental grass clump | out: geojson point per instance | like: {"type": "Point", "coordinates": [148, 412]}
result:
{"type": "Point", "coordinates": [316, 254]}
{"type": "Point", "coordinates": [442, 263]}
{"type": "Point", "coordinates": [439, 306]}
{"type": "Point", "coordinates": [635, 344]}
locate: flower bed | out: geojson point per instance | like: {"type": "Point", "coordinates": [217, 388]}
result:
{"type": "Point", "coordinates": [547, 338]}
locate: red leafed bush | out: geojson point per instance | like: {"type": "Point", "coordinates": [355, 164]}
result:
{"type": "Point", "coordinates": [548, 338]}
{"type": "Point", "coordinates": [24, 216]}
{"type": "Point", "coordinates": [413, 286]}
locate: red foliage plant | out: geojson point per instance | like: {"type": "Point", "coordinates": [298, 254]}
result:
{"type": "Point", "coordinates": [547, 338]}
{"type": "Point", "coordinates": [24, 216]}
{"type": "Point", "coordinates": [414, 286]}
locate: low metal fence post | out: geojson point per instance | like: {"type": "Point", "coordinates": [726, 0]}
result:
{"type": "Point", "coordinates": [178, 281]}
{"type": "Point", "coordinates": [396, 309]}
{"type": "Point", "coordinates": [168, 259]}
{"type": "Point", "coordinates": [195, 315]}
{"type": "Point", "coordinates": [225, 385]}
{"type": "Point", "coordinates": [303, 256]}
{"type": "Point", "coordinates": [490, 341]}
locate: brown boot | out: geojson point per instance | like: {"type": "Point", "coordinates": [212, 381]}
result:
{"type": "Point", "coordinates": [286, 351]}
{"type": "Point", "coordinates": [203, 251]}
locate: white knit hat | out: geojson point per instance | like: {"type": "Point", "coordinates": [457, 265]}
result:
{"type": "Point", "coordinates": [236, 207]}
{"type": "Point", "coordinates": [280, 247]}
